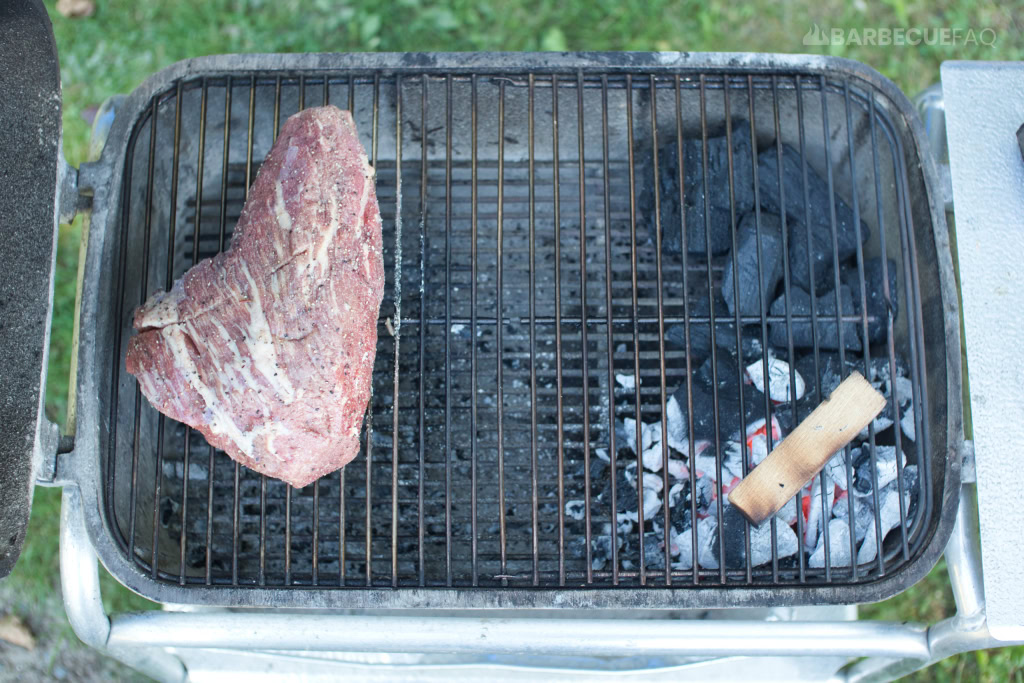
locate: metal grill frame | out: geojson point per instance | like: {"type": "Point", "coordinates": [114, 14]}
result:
{"type": "Point", "coordinates": [104, 178]}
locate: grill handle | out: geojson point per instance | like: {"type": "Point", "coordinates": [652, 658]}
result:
{"type": "Point", "coordinates": [892, 650]}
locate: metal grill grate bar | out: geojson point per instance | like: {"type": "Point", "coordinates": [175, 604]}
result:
{"type": "Point", "coordinates": [168, 281]}
{"type": "Point", "coordinates": [584, 344]}
{"type": "Point", "coordinates": [762, 308]}
{"type": "Point", "coordinates": [397, 318]}
{"type": "Point", "coordinates": [661, 335]}
{"type": "Point", "coordinates": [472, 331]}
{"type": "Point", "coordinates": [186, 457]}
{"type": "Point", "coordinates": [368, 421]}
{"type": "Point", "coordinates": [422, 353]}
{"type": "Point", "coordinates": [447, 333]}
{"type": "Point", "coordinates": [534, 463]}
{"type": "Point", "coordinates": [889, 332]}
{"type": "Point", "coordinates": [636, 329]}
{"type": "Point", "coordinates": [560, 444]}
{"type": "Point", "coordinates": [500, 389]}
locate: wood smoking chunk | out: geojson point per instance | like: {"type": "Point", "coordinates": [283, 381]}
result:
{"type": "Point", "coordinates": [803, 453]}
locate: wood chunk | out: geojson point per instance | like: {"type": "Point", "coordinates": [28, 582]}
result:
{"type": "Point", "coordinates": [74, 9]}
{"type": "Point", "coordinates": [14, 631]}
{"type": "Point", "coordinates": [803, 453]}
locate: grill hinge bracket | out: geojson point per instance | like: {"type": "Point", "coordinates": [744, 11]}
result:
{"type": "Point", "coordinates": [52, 446]}
{"type": "Point", "coordinates": [91, 174]}
{"type": "Point", "coordinates": [968, 475]}
{"type": "Point", "coordinates": [47, 447]}
{"type": "Point", "coordinates": [946, 181]}
{"type": "Point", "coordinates": [55, 468]}
{"type": "Point", "coordinates": [68, 202]}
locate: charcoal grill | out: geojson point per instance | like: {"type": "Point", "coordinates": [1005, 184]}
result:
{"type": "Point", "coordinates": [476, 438]}
{"type": "Point", "coordinates": [520, 283]}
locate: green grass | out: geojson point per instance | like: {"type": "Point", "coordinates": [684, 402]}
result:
{"type": "Point", "coordinates": [931, 600]}
{"type": "Point", "coordinates": [113, 51]}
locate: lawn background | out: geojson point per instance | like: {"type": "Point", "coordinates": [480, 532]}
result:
{"type": "Point", "coordinates": [123, 42]}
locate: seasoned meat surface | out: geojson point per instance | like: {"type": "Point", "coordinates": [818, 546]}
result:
{"type": "Point", "coordinates": [268, 347]}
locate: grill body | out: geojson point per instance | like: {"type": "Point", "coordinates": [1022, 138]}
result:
{"type": "Point", "coordinates": [520, 283]}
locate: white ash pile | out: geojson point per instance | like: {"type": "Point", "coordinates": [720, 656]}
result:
{"type": "Point", "coordinates": [857, 481]}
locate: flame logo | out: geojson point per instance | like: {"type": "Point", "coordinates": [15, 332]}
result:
{"type": "Point", "coordinates": [815, 36]}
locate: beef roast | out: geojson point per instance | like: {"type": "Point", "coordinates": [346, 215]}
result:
{"type": "Point", "coordinates": [268, 347]}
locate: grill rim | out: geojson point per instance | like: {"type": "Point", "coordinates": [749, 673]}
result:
{"type": "Point", "coordinates": [104, 179]}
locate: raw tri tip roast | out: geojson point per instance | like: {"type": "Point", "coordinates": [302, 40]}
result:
{"type": "Point", "coordinates": [268, 347]}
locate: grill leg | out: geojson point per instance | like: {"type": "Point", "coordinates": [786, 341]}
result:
{"type": "Point", "coordinates": [80, 584]}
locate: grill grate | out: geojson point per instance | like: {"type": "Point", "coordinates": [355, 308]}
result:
{"type": "Point", "coordinates": [520, 283]}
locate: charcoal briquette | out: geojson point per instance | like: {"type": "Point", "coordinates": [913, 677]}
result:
{"type": "Point", "coordinates": [877, 306]}
{"type": "Point", "coordinates": [827, 330]}
{"type": "Point", "coordinates": [576, 547]}
{"type": "Point", "coordinates": [700, 332]}
{"type": "Point", "coordinates": [838, 548]}
{"type": "Point", "coordinates": [654, 550]}
{"type": "Point", "coordinates": [625, 496]}
{"type": "Point", "coordinates": [719, 213]}
{"type": "Point", "coordinates": [598, 470]}
{"type": "Point", "coordinates": [725, 373]}
{"type": "Point", "coordinates": [886, 469]}
{"type": "Point", "coordinates": [576, 509]}
{"type": "Point", "coordinates": [751, 347]}
{"type": "Point", "coordinates": [731, 530]}
{"type": "Point", "coordinates": [815, 214]}
{"type": "Point", "coordinates": [757, 274]}
{"type": "Point", "coordinates": [725, 339]}
{"type": "Point", "coordinates": [681, 514]}
{"type": "Point", "coordinates": [728, 405]}
{"type": "Point", "coordinates": [863, 514]}
{"type": "Point", "coordinates": [705, 488]}
{"type": "Point", "coordinates": [829, 371]}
